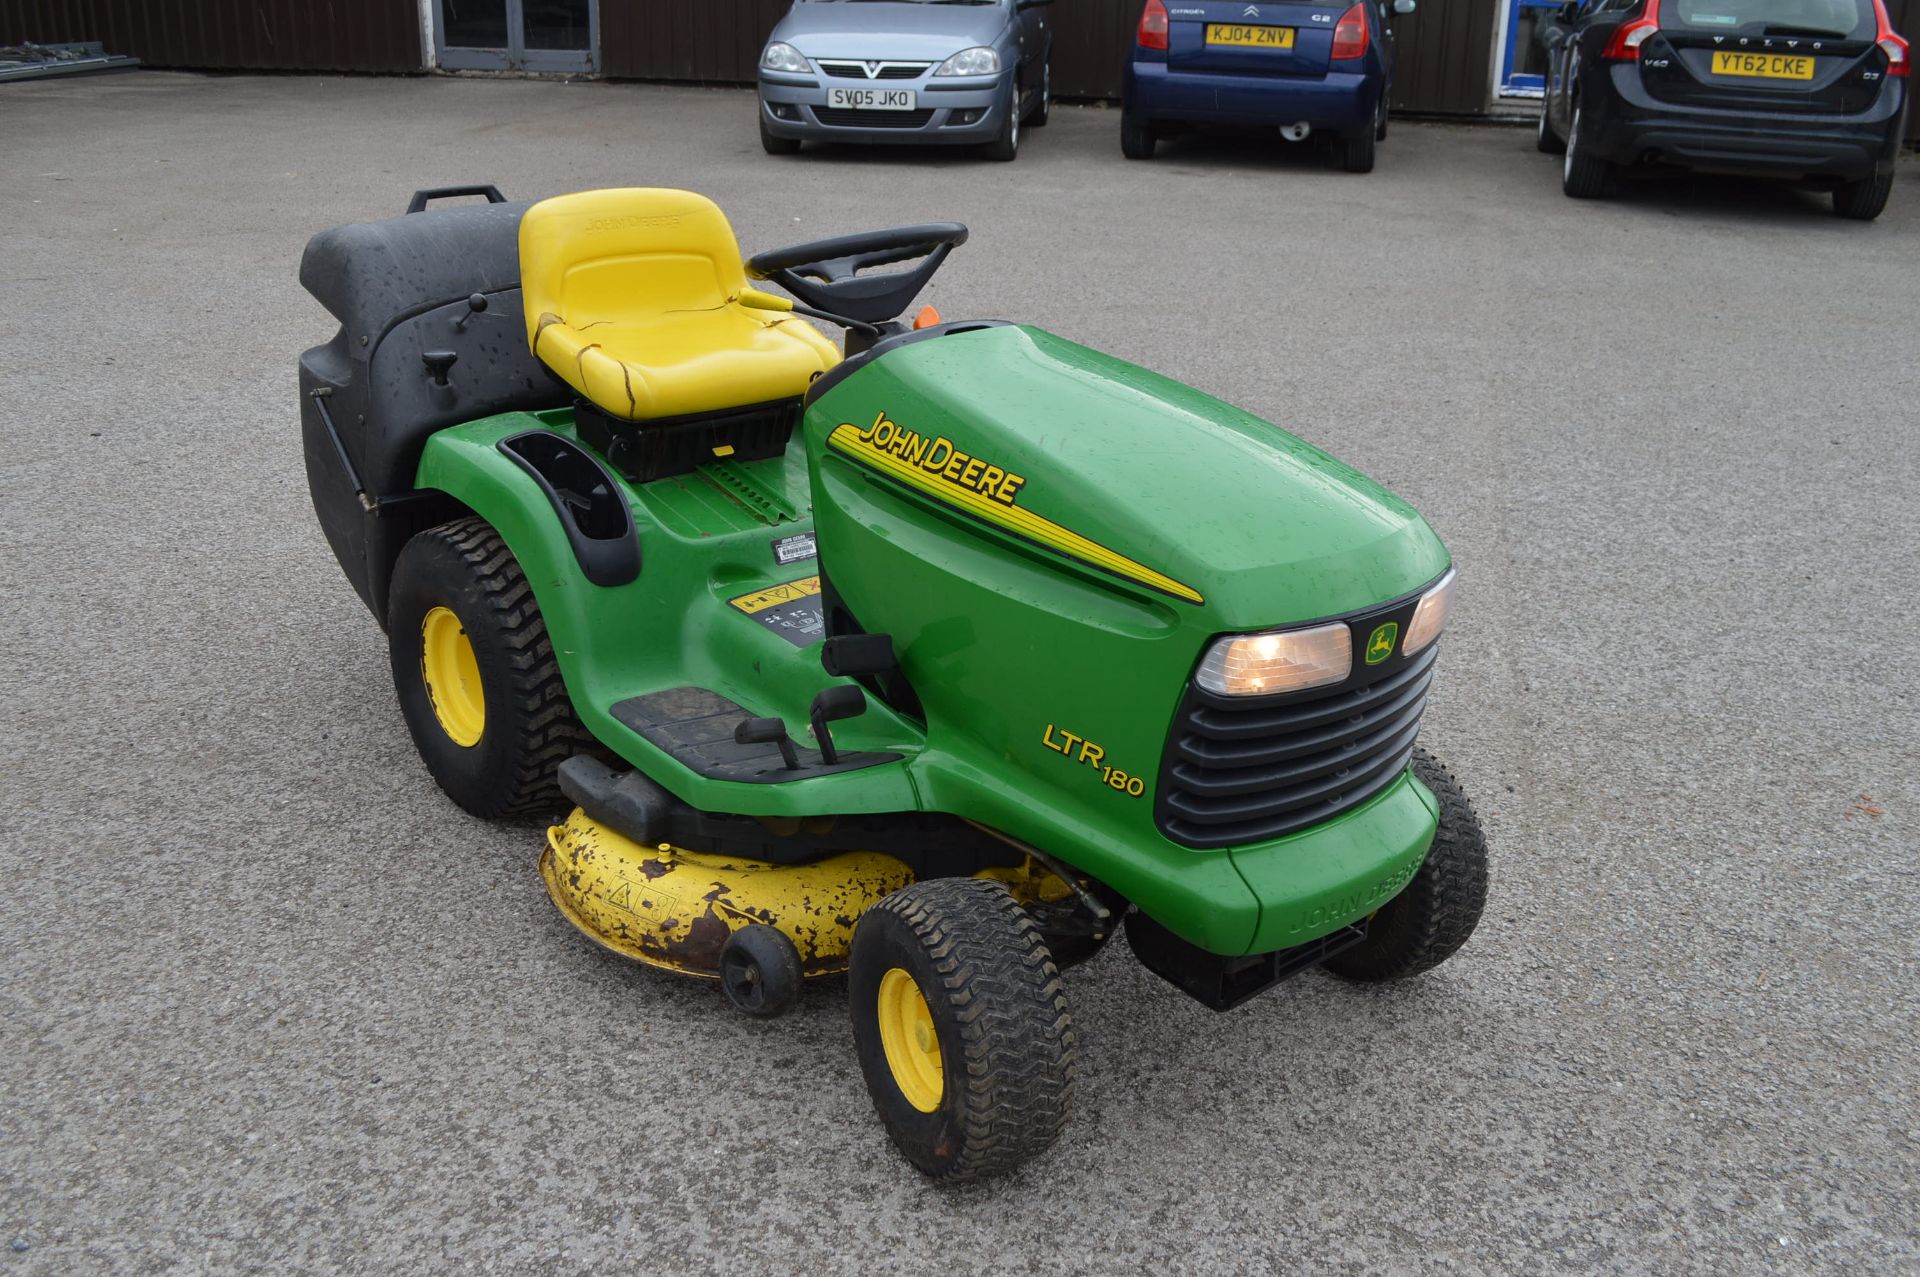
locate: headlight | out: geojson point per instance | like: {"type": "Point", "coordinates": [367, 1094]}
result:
{"type": "Point", "coordinates": [980, 61]}
{"type": "Point", "coordinates": [784, 57]}
{"type": "Point", "coordinates": [1430, 617]}
{"type": "Point", "coordinates": [1290, 661]}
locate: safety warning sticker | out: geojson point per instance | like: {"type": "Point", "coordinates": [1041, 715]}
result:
{"type": "Point", "coordinates": [791, 610]}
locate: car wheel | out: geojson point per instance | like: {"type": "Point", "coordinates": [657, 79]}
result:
{"type": "Point", "coordinates": [1545, 140]}
{"type": "Point", "coordinates": [1356, 151]}
{"type": "Point", "coordinates": [1582, 176]}
{"type": "Point", "coordinates": [961, 1025]}
{"type": "Point", "coordinates": [1380, 126]}
{"type": "Point", "coordinates": [774, 145]}
{"type": "Point", "coordinates": [1862, 201]}
{"type": "Point", "coordinates": [1136, 136]}
{"type": "Point", "coordinates": [1038, 119]}
{"type": "Point", "coordinates": [476, 675]}
{"type": "Point", "coordinates": [1007, 145]}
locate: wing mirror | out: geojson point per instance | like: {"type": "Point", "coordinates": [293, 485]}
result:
{"type": "Point", "coordinates": [1404, 7]}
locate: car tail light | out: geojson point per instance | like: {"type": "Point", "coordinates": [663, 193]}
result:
{"type": "Point", "coordinates": [1153, 25]}
{"type": "Point", "coordinates": [1350, 33]}
{"type": "Point", "coordinates": [1629, 36]}
{"type": "Point", "coordinates": [1899, 55]}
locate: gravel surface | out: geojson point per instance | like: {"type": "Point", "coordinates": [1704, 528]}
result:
{"type": "Point", "coordinates": [269, 1003]}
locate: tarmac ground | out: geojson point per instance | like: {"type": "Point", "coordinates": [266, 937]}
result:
{"type": "Point", "coordinates": [269, 1003]}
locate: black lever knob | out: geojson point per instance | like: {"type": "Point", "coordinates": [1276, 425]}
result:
{"type": "Point", "coordinates": [834, 703]}
{"type": "Point", "coordinates": [758, 731]}
{"type": "Point", "coordinates": [475, 305]}
{"type": "Point", "coordinates": [439, 363]}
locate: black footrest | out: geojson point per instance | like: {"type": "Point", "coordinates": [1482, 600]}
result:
{"type": "Point", "coordinates": [696, 727]}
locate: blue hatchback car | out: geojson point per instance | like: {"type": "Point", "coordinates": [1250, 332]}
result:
{"type": "Point", "coordinates": [1299, 66]}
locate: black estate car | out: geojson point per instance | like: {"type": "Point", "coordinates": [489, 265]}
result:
{"type": "Point", "coordinates": [1814, 90]}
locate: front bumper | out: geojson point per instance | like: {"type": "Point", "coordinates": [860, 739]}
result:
{"type": "Point", "coordinates": [1280, 894]}
{"type": "Point", "coordinates": [1340, 101]}
{"type": "Point", "coordinates": [1642, 129]}
{"type": "Point", "coordinates": [947, 110]}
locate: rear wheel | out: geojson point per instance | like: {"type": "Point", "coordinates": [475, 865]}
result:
{"type": "Point", "coordinates": [1432, 917]}
{"type": "Point", "coordinates": [1863, 201]}
{"type": "Point", "coordinates": [1582, 176]}
{"type": "Point", "coordinates": [475, 673]}
{"type": "Point", "coordinates": [1356, 150]}
{"type": "Point", "coordinates": [1038, 119]}
{"type": "Point", "coordinates": [1007, 145]}
{"type": "Point", "coordinates": [1136, 136]}
{"type": "Point", "coordinates": [775, 145]}
{"type": "Point", "coordinates": [1545, 140]}
{"type": "Point", "coordinates": [961, 1024]}
{"type": "Point", "coordinates": [1380, 126]}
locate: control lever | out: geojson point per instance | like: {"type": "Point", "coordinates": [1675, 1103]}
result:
{"type": "Point", "coordinates": [846, 701]}
{"type": "Point", "coordinates": [476, 305]}
{"type": "Point", "coordinates": [758, 731]}
{"type": "Point", "coordinates": [851, 655]}
{"type": "Point", "coordinates": [439, 363]}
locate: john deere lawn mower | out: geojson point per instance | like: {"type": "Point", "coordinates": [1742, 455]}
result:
{"type": "Point", "coordinates": [937, 660]}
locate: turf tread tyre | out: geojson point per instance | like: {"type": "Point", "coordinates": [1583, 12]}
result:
{"type": "Point", "coordinates": [1432, 917]}
{"type": "Point", "coordinates": [998, 1003]}
{"type": "Point", "coordinates": [1864, 200]}
{"type": "Point", "coordinates": [531, 727]}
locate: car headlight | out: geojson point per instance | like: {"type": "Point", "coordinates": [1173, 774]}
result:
{"type": "Point", "coordinates": [1287, 661]}
{"type": "Point", "coordinates": [1430, 616]}
{"type": "Point", "coordinates": [784, 57]}
{"type": "Point", "coordinates": [980, 61]}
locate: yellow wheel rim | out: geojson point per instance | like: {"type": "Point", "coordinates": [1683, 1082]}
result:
{"type": "Point", "coordinates": [908, 1037]}
{"type": "Point", "coordinates": [452, 676]}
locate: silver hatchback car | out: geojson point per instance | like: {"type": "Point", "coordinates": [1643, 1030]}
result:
{"type": "Point", "coordinates": [917, 71]}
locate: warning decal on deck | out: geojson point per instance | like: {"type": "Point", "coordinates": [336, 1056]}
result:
{"type": "Point", "coordinates": [791, 610]}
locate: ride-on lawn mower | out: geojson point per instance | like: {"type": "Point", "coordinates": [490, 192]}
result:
{"type": "Point", "coordinates": [937, 663]}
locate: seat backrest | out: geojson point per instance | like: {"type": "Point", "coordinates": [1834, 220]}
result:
{"type": "Point", "coordinates": [625, 256]}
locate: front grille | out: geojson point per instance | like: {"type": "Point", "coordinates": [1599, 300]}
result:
{"type": "Point", "coordinates": [1239, 771]}
{"type": "Point", "coordinates": [848, 117]}
{"type": "Point", "coordinates": [887, 70]}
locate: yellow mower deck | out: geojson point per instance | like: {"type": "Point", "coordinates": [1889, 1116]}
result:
{"type": "Point", "coordinates": [673, 908]}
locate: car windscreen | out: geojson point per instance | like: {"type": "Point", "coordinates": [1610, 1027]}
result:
{"type": "Point", "coordinates": [1835, 19]}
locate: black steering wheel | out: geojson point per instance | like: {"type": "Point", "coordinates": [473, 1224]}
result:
{"type": "Point", "coordinates": [825, 274]}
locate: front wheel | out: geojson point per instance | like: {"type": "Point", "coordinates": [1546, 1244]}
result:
{"type": "Point", "coordinates": [961, 1024]}
{"type": "Point", "coordinates": [1007, 145]}
{"type": "Point", "coordinates": [1434, 914]}
{"type": "Point", "coordinates": [476, 675]}
{"type": "Point", "coordinates": [1582, 176]}
{"type": "Point", "coordinates": [773, 144]}
{"type": "Point", "coordinates": [1863, 201]}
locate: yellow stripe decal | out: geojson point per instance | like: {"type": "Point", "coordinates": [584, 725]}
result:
{"type": "Point", "coordinates": [988, 493]}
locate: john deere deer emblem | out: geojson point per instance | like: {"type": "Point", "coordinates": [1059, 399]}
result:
{"type": "Point", "coordinates": [1380, 646]}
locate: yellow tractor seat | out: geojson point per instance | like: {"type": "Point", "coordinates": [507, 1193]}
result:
{"type": "Point", "coordinates": [633, 299]}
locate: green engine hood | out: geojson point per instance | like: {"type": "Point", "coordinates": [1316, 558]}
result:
{"type": "Point", "coordinates": [1133, 474]}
